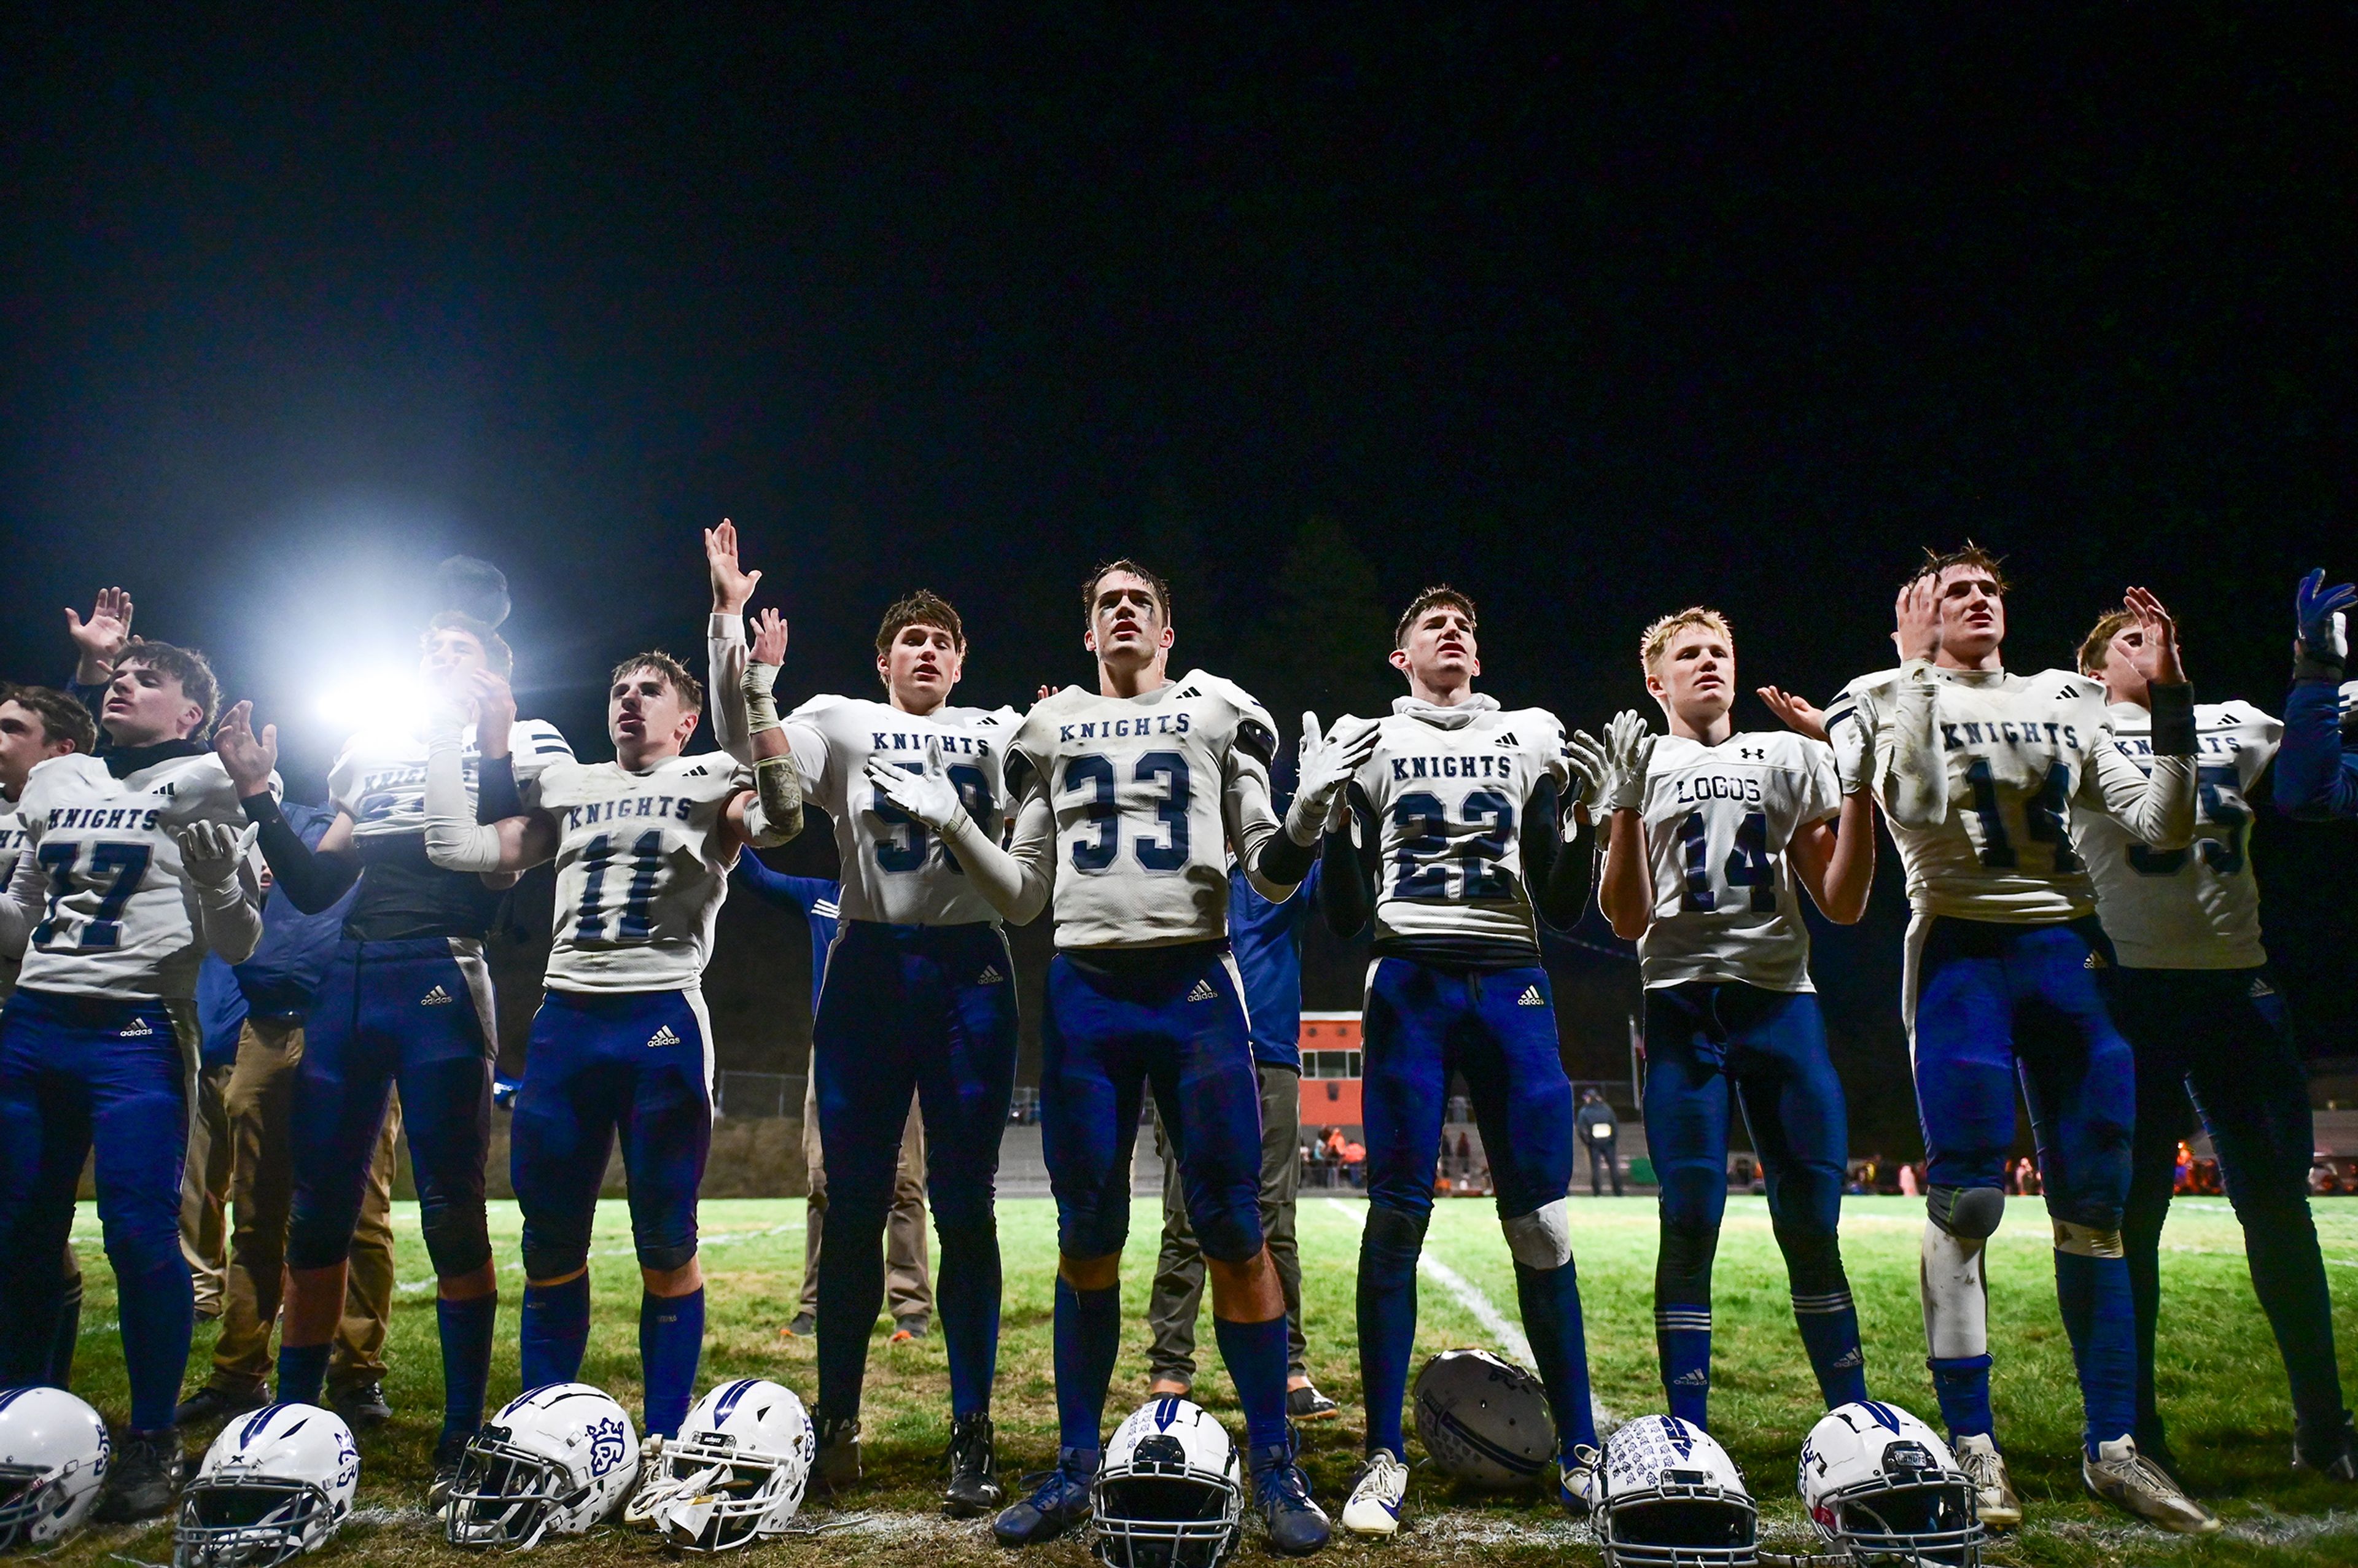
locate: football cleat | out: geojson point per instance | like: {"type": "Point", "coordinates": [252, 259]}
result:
{"type": "Point", "coordinates": [362, 1404]}
{"type": "Point", "coordinates": [974, 1487]}
{"type": "Point", "coordinates": [210, 1404]}
{"type": "Point", "coordinates": [2127, 1480]}
{"type": "Point", "coordinates": [1306, 1403]}
{"type": "Point", "coordinates": [1995, 1503]}
{"type": "Point", "coordinates": [273, 1486]}
{"type": "Point", "coordinates": [146, 1472]}
{"type": "Point", "coordinates": [54, 1456]}
{"type": "Point", "coordinates": [1577, 1480]}
{"type": "Point", "coordinates": [1378, 1494]}
{"type": "Point", "coordinates": [1296, 1525]}
{"type": "Point", "coordinates": [837, 1464]}
{"type": "Point", "coordinates": [2332, 1453]}
{"type": "Point", "coordinates": [1059, 1500]}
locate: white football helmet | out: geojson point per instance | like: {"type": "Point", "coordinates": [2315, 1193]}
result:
{"type": "Point", "coordinates": [1882, 1486]}
{"type": "Point", "coordinates": [558, 1459]}
{"type": "Point", "coordinates": [1169, 1493]}
{"type": "Point", "coordinates": [1483, 1420]}
{"type": "Point", "coordinates": [273, 1485]}
{"type": "Point", "coordinates": [736, 1472]}
{"type": "Point", "coordinates": [53, 1457]}
{"type": "Point", "coordinates": [1670, 1497]}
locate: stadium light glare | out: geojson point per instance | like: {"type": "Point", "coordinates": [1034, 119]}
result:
{"type": "Point", "coordinates": [388, 699]}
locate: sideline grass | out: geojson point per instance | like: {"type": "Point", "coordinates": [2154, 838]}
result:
{"type": "Point", "coordinates": [2222, 1385]}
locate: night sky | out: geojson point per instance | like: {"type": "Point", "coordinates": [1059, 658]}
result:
{"type": "Point", "coordinates": [1593, 320]}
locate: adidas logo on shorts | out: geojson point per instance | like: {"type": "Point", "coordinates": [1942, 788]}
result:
{"type": "Point", "coordinates": [136, 1028]}
{"type": "Point", "coordinates": [2095, 961]}
{"type": "Point", "coordinates": [661, 1037]}
{"type": "Point", "coordinates": [990, 975]}
{"type": "Point", "coordinates": [438, 997]}
{"type": "Point", "coordinates": [1531, 998]}
{"type": "Point", "coordinates": [2260, 988]}
{"type": "Point", "coordinates": [1203, 992]}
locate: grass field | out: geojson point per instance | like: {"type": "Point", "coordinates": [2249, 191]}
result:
{"type": "Point", "coordinates": [2221, 1383]}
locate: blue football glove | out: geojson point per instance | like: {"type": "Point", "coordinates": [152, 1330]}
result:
{"type": "Point", "coordinates": [2320, 611]}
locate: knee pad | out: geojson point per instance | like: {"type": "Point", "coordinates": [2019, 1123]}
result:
{"type": "Point", "coordinates": [1395, 1235]}
{"type": "Point", "coordinates": [552, 1251]}
{"type": "Point", "coordinates": [1541, 1239]}
{"type": "Point", "coordinates": [456, 1239]}
{"type": "Point", "coordinates": [1231, 1232]}
{"type": "Point", "coordinates": [1970, 1214]}
{"type": "Point", "coordinates": [1682, 1265]}
{"type": "Point", "coordinates": [666, 1256]}
{"type": "Point", "coordinates": [2086, 1241]}
{"type": "Point", "coordinates": [312, 1244]}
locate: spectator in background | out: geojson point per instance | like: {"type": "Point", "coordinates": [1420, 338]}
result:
{"type": "Point", "coordinates": [908, 1280]}
{"type": "Point", "coordinates": [1907, 1185]}
{"type": "Point", "coordinates": [1599, 1134]}
{"type": "Point", "coordinates": [242, 1149]}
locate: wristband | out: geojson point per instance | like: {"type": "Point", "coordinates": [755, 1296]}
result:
{"type": "Point", "coordinates": [761, 706]}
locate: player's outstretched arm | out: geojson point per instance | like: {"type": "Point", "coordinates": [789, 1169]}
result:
{"type": "Point", "coordinates": [773, 813]}
{"type": "Point", "coordinates": [101, 639]}
{"type": "Point", "coordinates": [724, 638]}
{"type": "Point", "coordinates": [1014, 881]}
{"type": "Point", "coordinates": [454, 840]}
{"type": "Point", "coordinates": [2158, 808]}
{"type": "Point", "coordinates": [229, 904]}
{"type": "Point", "coordinates": [1912, 776]}
{"type": "Point", "coordinates": [314, 878]}
{"type": "Point", "coordinates": [2317, 775]}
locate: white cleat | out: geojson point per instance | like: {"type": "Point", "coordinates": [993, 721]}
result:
{"type": "Point", "coordinates": [1377, 1496]}
{"type": "Point", "coordinates": [1994, 1499]}
{"type": "Point", "coordinates": [2127, 1480]}
{"type": "Point", "coordinates": [1578, 1480]}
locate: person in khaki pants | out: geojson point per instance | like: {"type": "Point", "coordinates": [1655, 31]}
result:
{"type": "Point", "coordinates": [241, 1149]}
{"type": "Point", "coordinates": [908, 1281]}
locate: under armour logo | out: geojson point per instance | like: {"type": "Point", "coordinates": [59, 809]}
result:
{"type": "Point", "coordinates": [1531, 998]}
{"type": "Point", "coordinates": [1752, 753]}
{"type": "Point", "coordinates": [990, 975]}
{"type": "Point", "coordinates": [438, 997]}
{"type": "Point", "coordinates": [663, 1036]}
{"type": "Point", "coordinates": [1203, 992]}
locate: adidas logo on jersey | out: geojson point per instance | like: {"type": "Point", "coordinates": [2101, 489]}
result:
{"type": "Point", "coordinates": [1505, 740]}
{"type": "Point", "coordinates": [1531, 998]}
{"type": "Point", "coordinates": [438, 997]}
{"type": "Point", "coordinates": [1203, 992]}
{"type": "Point", "coordinates": [697, 772]}
{"type": "Point", "coordinates": [1190, 691]}
{"type": "Point", "coordinates": [661, 1037]}
{"type": "Point", "coordinates": [2260, 988]}
{"type": "Point", "coordinates": [136, 1028]}
{"type": "Point", "coordinates": [990, 975]}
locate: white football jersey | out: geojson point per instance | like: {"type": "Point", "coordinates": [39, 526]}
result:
{"type": "Point", "coordinates": [13, 843]}
{"type": "Point", "coordinates": [1719, 820]}
{"type": "Point", "coordinates": [116, 916]}
{"type": "Point", "coordinates": [1140, 797]}
{"type": "Point", "coordinates": [642, 868]}
{"type": "Point", "coordinates": [2014, 754]}
{"type": "Point", "coordinates": [2196, 908]}
{"type": "Point", "coordinates": [1450, 788]}
{"type": "Point", "coordinates": [379, 778]}
{"type": "Point", "coordinates": [893, 869]}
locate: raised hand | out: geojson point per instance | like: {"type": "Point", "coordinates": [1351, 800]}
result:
{"type": "Point", "coordinates": [927, 796]}
{"type": "Point", "coordinates": [769, 637]}
{"type": "Point", "coordinates": [732, 587]}
{"type": "Point", "coordinates": [2322, 614]}
{"type": "Point", "coordinates": [1328, 761]}
{"type": "Point", "coordinates": [1917, 615]}
{"type": "Point", "coordinates": [249, 758]}
{"type": "Point", "coordinates": [1592, 769]}
{"type": "Point", "coordinates": [2156, 654]}
{"type": "Point", "coordinates": [494, 702]}
{"type": "Point", "coordinates": [101, 639]}
{"type": "Point", "coordinates": [1796, 712]}
{"type": "Point", "coordinates": [1630, 746]}
{"type": "Point", "coordinates": [211, 852]}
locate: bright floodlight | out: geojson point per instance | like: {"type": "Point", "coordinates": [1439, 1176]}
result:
{"type": "Point", "coordinates": [378, 699]}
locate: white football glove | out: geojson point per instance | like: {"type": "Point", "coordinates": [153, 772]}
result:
{"type": "Point", "coordinates": [211, 852]}
{"type": "Point", "coordinates": [1328, 763]}
{"type": "Point", "coordinates": [927, 796]}
{"type": "Point", "coordinates": [1592, 770]}
{"type": "Point", "coordinates": [1630, 746]}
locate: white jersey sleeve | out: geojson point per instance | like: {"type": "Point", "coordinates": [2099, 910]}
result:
{"type": "Point", "coordinates": [642, 868]}
{"type": "Point", "coordinates": [119, 917]}
{"type": "Point", "coordinates": [2197, 907]}
{"type": "Point", "coordinates": [13, 844]}
{"type": "Point", "coordinates": [1137, 793]}
{"type": "Point", "coordinates": [893, 869]}
{"type": "Point", "coordinates": [379, 778]}
{"type": "Point", "coordinates": [1720, 822]}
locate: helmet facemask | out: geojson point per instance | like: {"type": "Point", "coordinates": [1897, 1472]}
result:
{"type": "Point", "coordinates": [248, 1522]}
{"type": "Point", "coordinates": [1158, 1511]}
{"type": "Point", "coordinates": [1684, 1521]}
{"type": "Point", "coordinates": [717, 1499]}
{"type": "Point", "coordinates": [28, 1492]}
{"type": "Point", "coordinates": [1916, 1518]}
{"type": "Point", "coordinates": [504, 1495]}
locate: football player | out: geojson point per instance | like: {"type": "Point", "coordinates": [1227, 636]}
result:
{"type": "Point", "coordinates": [1978, 772]}
{"type": "Point", "coordinates": [2318, 774]}
{"type": "Point", "coordinates": [132, 869]}
{"type": "Point", "coordinates": [1131, 795]}
{"type": "Point", "coordinates": [2191, 992]}
{"type": "Point", "coordinates": [1713, 835]}
{"type": "Point", "coordinates": [919, 997]}
{"type": "Point", "coordinates": [621, 1045]}
{"type": "Point", "coordinates": [407, 1000]}
{"type": "Point", "coordinates": [1453, 844]}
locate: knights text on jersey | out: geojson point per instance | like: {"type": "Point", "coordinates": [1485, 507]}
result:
{"type": "Point", "coordinates": [118, 917]}
{"type": "Point", "coordinates": [1719, 820]}
{"type": "Point", "coordinates": [1141, 791]}
{"type": "Point", "coordinates": [2196, 908]}
{"type": "Point", "coordinates": [379, 778]}
{"type": "Point", "coordinates": [1449, 788]}
{"type": "Point", "coordinates": [893, 869]}
{"type": "Point", "coordinates": [2018, 752]}
{"type": "Point", "coordinates": [642, 867]}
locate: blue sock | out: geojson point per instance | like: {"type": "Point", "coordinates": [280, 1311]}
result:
{"type": "Point", "coordinates": [1829, 1325]}
{"type": "Point", "coordinates": [466, 1329]}
{"type": "Point", "coordinates": [1088, 1338]}
{"type": "Point", "coordinates": [555, 1332]}
{"type": "Point", "coordinates": [2097, 1314]}
{"type": "Point", "coordinates": [1961, 1385]}
{"type": "Point", "coordinates": [1388, 1254]}
{"type": "Point", "coordinates": [965, 1296]}
{"type": "Point", "coordinates": [302, 1369]}
{"type": "Point", "coordinates": [671, 1339]}
{"type": "Point", "coordinates": [157, 1305]}
{"type": "Point", "coordinates": [1255, 1353]}
{"type": "Point", "coordinates": [1551, 1301]}
{"type": "Point", "coordinates": [1682, 1344]}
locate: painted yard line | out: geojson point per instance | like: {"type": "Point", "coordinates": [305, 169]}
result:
{"type": "Point", "coordinates": [412, 1287]}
